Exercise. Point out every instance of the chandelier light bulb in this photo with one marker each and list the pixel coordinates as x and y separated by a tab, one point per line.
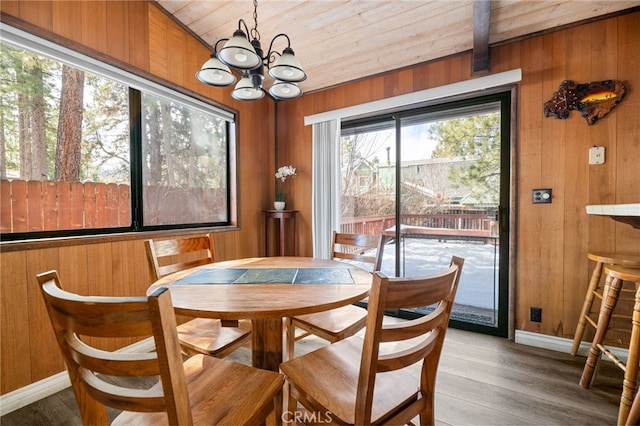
287	72
285	89
240	56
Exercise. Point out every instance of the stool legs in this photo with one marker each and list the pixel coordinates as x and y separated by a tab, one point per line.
612	288
629	384
586	307
634	414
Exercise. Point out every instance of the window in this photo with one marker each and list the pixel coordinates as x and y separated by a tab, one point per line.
87	148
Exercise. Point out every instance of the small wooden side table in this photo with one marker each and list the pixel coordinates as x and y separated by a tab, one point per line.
281	216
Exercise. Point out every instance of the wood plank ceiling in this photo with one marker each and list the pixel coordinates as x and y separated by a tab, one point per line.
338	41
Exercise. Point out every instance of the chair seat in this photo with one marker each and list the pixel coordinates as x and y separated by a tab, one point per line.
333	325
210	337
241	389
335	388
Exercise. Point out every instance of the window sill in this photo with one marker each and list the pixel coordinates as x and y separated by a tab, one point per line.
43	243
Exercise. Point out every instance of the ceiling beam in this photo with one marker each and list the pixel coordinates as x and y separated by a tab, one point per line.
481	19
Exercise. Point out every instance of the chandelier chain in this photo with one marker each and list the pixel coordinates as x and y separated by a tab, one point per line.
254	31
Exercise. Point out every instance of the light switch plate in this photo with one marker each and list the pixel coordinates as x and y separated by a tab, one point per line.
541	196
596	155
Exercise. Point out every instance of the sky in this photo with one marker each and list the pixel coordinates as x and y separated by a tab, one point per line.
416	144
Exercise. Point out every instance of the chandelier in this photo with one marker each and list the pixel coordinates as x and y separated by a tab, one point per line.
247	59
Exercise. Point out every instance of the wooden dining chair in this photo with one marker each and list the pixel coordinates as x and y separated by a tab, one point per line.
202	390
199	335
337	324
387	377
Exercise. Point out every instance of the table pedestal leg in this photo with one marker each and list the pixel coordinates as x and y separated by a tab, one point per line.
267	350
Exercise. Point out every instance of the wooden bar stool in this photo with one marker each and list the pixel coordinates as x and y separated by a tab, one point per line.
595	290
615	275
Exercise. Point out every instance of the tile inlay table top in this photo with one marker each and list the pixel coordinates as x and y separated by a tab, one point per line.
265	290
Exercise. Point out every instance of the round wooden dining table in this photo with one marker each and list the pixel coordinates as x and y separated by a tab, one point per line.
265	290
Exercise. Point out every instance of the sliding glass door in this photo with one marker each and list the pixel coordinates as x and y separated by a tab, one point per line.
433	181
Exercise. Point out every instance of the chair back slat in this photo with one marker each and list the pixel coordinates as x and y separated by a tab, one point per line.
418	292
126	399
111	363
413	328
172	255
407	357
98	316
358	248
75	317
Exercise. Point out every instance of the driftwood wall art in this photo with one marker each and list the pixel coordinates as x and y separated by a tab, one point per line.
594	100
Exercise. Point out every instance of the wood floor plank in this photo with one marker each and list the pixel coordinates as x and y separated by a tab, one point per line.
482	380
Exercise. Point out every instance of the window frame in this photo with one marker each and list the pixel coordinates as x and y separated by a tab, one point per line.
506	97
137	84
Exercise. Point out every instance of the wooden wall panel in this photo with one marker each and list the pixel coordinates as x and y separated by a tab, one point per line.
40	12
529	152
158	53
627	149
43	353
94	25
15	366
61	11
117	17
100	260
138	34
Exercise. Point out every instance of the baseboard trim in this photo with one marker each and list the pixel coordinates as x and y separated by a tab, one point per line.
561	344
29	394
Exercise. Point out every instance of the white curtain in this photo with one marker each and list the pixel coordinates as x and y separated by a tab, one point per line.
325	186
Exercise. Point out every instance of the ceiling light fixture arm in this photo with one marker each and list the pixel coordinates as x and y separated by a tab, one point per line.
215	46
246	31
271	54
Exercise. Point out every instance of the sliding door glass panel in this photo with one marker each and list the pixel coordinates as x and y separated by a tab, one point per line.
449	197
367	159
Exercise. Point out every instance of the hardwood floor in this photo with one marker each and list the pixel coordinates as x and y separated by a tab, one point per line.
482	380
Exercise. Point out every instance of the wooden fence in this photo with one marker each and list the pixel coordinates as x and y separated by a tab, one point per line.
35	206
32	206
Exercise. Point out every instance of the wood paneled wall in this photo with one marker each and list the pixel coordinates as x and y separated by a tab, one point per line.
138	36
552	240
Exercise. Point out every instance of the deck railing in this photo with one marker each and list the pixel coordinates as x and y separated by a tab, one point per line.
476	224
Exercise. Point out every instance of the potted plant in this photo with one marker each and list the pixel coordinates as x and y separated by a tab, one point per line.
283	173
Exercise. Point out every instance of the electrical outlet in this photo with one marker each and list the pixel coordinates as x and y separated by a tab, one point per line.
541	196
536	314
